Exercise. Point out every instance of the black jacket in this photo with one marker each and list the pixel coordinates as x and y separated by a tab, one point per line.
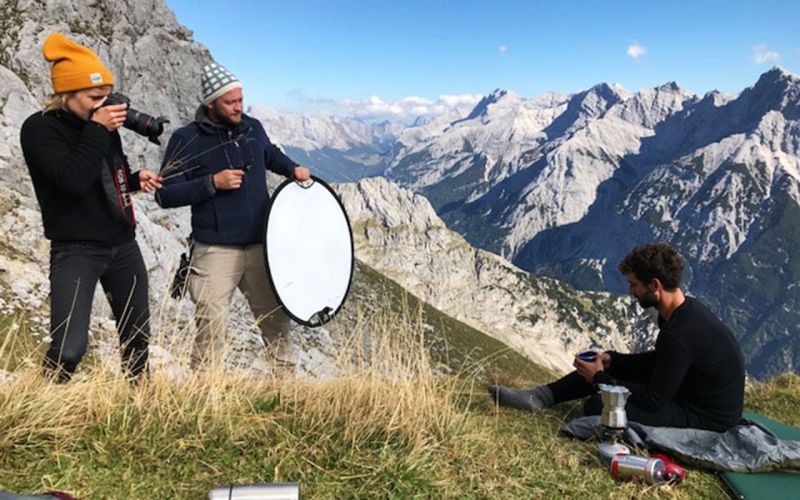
69	159
201	149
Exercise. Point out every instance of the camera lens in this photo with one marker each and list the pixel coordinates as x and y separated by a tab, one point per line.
136	120
143	124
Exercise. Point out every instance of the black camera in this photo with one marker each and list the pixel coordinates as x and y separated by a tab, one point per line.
178	287
138	121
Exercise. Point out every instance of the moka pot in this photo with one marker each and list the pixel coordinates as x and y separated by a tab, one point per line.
614	399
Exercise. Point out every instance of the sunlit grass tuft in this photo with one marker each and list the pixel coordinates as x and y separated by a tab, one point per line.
390	425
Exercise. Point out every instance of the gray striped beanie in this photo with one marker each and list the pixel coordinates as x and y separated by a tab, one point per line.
216	81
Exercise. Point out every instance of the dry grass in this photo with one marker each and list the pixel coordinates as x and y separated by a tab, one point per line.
386	396
385	427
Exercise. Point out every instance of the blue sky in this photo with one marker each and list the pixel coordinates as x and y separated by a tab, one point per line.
394	57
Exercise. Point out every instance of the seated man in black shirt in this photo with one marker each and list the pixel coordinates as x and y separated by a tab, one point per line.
693	379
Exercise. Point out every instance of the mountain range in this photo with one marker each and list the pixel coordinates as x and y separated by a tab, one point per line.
339	149
561	185
564	185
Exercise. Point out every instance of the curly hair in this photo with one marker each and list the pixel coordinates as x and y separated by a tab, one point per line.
657	261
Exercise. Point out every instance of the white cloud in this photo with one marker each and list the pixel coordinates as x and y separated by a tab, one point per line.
299	94
502	49
373	108
636	50
405	109
416	100
762	54
455	101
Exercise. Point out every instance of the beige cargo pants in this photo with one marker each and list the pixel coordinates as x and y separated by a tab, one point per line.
215	272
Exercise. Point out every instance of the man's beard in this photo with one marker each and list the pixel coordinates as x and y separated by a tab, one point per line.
224	119
228	119
648	299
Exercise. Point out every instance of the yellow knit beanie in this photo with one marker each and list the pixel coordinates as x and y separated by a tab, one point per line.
75	67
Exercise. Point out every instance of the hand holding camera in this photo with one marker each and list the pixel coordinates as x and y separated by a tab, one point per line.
111	117
117	107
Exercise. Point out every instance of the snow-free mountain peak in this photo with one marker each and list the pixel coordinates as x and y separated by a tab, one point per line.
503	99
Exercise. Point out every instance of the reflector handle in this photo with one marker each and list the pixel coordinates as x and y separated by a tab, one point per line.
321	317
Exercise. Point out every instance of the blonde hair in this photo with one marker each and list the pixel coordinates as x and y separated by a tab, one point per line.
56	101
59	101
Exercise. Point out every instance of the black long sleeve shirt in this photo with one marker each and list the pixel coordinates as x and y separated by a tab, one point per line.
65	156
696	362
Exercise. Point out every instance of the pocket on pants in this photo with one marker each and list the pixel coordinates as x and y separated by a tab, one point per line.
200	253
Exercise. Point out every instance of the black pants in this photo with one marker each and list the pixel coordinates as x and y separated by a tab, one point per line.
574	386
75	269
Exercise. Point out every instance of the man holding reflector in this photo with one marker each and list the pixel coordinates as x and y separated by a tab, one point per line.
217	164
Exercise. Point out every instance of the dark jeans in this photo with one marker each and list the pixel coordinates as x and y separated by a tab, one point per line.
75	269
573	386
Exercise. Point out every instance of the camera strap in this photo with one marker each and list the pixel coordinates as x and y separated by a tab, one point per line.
118	192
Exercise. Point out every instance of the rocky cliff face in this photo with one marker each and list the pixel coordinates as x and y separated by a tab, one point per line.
156	63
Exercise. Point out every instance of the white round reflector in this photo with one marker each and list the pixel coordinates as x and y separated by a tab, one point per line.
308	251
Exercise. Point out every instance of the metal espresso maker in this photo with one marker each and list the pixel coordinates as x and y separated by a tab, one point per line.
614	422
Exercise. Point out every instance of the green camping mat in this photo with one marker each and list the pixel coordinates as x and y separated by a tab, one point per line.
766	485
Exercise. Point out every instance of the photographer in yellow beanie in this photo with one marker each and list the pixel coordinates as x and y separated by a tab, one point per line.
83	183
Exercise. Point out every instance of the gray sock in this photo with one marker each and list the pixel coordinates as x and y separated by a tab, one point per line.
532	400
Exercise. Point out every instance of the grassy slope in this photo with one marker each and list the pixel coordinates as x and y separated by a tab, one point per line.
458	346
383	429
